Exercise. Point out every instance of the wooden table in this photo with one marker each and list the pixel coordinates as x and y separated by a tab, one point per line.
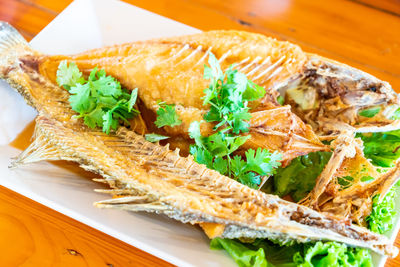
361	33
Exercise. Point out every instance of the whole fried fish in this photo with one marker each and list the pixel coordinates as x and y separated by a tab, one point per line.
149	177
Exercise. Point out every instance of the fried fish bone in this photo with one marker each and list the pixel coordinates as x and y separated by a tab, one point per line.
149	177
344	188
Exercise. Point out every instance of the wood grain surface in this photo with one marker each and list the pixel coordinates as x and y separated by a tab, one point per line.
362	33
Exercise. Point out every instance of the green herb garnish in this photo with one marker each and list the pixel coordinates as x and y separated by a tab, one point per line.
100	100
166	116
369	112
155	137
228	96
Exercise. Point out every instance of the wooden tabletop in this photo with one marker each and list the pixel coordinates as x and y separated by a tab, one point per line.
362	33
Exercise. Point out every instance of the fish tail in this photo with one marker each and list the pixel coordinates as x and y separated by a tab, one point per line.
11	44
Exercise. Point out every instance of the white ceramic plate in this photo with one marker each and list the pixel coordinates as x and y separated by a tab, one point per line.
83	25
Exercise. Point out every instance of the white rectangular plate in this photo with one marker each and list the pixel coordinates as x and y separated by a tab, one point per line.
83	25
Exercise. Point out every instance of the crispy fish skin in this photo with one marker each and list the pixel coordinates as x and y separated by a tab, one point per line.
149	177
171	70
339	90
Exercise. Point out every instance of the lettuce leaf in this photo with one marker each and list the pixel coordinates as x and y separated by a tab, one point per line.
243	255
298	178
383	212
263	252
382	148
332	254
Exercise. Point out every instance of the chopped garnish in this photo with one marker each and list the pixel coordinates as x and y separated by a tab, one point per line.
100	100
166	116
369	112
155	137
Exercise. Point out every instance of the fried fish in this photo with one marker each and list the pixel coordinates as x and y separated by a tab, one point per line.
149	177
171	70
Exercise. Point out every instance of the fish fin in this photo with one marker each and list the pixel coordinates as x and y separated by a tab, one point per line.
40	149
10	37
11	44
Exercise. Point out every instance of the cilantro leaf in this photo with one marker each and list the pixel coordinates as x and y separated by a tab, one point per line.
194	133
95	118
155	137
132	99
253	91
228	95
262	161
105	85
100	100
80	98
166	116
202	156
220	165
68	75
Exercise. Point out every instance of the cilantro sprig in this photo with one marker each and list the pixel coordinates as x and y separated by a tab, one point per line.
228	96
166	116
100	100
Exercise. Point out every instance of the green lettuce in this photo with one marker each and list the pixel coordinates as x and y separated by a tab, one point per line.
382	148
382	215
263	252
298	178
243	255
332	254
